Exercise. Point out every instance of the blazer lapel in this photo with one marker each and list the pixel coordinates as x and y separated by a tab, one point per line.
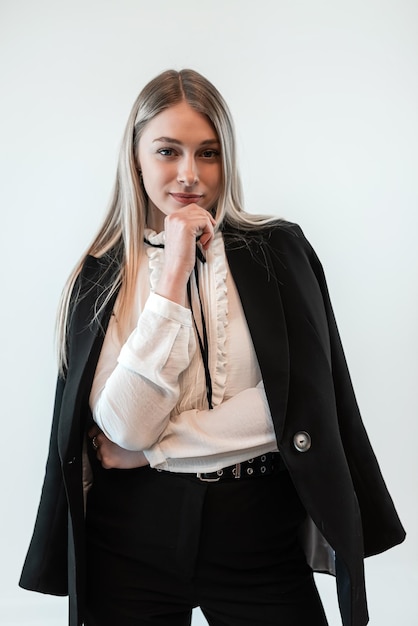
252	269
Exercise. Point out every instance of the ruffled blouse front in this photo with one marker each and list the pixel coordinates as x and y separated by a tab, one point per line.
213	295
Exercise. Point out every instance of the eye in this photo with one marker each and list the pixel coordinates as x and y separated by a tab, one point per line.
210	154
166	152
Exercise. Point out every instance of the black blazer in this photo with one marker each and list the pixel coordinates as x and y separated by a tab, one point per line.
318	426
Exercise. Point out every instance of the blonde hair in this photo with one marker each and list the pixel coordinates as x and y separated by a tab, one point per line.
122	230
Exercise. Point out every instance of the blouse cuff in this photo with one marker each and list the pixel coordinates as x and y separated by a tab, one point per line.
170	310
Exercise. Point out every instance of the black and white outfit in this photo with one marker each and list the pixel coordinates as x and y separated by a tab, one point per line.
216	520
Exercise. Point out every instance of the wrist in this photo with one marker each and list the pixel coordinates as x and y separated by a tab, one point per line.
173	286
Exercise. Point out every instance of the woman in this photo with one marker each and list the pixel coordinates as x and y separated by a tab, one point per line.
205	426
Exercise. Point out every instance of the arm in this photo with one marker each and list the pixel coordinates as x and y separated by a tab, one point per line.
133	393
241	423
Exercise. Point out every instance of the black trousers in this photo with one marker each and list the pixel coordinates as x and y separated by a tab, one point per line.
160	544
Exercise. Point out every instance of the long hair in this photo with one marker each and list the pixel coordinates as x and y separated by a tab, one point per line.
122	230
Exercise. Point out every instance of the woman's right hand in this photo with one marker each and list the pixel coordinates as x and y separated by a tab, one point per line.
182	230
112	456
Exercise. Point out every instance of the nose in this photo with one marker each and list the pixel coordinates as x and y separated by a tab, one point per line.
188	174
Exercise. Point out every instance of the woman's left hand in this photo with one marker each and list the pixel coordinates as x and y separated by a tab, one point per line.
112	456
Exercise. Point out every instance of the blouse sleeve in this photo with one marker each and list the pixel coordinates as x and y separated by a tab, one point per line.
136	386
241	425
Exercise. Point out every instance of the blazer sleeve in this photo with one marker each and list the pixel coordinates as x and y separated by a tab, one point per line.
376	505
47	564
45	567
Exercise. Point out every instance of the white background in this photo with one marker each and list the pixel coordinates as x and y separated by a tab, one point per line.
325	99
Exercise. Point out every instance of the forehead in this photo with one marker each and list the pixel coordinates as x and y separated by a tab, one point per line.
180	122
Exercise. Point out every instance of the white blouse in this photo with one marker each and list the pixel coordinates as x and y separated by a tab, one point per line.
149	393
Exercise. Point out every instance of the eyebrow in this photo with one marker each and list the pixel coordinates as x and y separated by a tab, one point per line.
206	142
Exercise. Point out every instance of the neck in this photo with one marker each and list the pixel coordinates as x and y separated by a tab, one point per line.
155	218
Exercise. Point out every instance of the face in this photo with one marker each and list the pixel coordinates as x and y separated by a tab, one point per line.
179	157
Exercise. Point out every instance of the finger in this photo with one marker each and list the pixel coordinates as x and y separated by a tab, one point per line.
203	216
205	240
208	217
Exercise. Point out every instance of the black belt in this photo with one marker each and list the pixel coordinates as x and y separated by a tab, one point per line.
263	465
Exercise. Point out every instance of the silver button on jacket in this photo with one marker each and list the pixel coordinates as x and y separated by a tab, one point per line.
302	441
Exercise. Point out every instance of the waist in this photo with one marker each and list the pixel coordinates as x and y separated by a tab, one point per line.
263	465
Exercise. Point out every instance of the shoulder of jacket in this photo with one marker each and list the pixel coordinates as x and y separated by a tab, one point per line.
99	271
280	236
101	263
96	277
284	236
279	226
284	229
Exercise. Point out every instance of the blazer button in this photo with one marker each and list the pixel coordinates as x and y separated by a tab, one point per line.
302	441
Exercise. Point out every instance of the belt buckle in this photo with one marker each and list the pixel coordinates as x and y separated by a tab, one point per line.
207	480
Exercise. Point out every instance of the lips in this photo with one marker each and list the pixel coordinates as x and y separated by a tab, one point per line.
186	198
